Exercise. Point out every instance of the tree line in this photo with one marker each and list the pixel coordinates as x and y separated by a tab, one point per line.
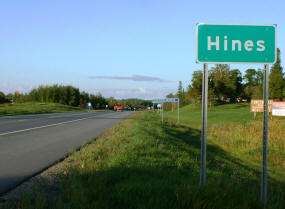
225	85
69	95
229	85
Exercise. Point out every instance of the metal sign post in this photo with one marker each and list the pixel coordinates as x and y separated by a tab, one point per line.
161	101
204	125
265	137
236	43
162	112
178	112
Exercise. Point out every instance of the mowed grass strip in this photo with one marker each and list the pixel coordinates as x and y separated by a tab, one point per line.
35	108
190	115
142	163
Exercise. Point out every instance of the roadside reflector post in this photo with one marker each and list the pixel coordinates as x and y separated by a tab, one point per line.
265	136
204	125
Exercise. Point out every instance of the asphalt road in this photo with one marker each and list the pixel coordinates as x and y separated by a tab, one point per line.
31	143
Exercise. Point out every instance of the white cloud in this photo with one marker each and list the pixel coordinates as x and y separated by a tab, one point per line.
132	78
124	93
7	87
142	90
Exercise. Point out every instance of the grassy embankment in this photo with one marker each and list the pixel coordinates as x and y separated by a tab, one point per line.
144	164
35	108
235	130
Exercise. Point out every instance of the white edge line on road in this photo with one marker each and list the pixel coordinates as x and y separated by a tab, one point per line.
44	114
70	115
39	127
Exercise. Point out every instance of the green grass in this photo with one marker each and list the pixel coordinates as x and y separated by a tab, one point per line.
190	115
234	129
142	163
35	108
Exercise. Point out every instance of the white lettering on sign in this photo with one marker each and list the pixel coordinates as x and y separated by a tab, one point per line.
225	43
256	105
237	45
234	42
217	43
260	44
248	45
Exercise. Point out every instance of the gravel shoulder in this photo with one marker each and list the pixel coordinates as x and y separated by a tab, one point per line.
46	183
49	183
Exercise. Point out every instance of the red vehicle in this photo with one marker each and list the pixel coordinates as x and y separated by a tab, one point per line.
118	107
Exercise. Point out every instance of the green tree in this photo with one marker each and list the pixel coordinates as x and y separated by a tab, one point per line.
10	97
181	94
170	95
250	77
111	102
17	97
226	82
252	88
276	80
67	95
2	98
236	80
84	99
195	88
74	96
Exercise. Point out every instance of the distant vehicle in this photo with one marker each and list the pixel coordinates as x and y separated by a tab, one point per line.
118	107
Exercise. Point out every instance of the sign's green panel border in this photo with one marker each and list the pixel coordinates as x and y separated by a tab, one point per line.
241	32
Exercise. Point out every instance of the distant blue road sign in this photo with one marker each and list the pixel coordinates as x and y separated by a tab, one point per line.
171	100
166	100
157	101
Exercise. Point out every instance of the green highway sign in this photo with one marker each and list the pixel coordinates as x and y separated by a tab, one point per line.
222	43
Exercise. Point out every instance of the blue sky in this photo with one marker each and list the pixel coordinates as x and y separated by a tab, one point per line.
119	48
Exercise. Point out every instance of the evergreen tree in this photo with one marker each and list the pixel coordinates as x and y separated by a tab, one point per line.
181	93
276	80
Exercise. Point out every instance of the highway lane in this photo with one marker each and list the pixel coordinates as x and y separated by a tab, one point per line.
31	143
22	122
